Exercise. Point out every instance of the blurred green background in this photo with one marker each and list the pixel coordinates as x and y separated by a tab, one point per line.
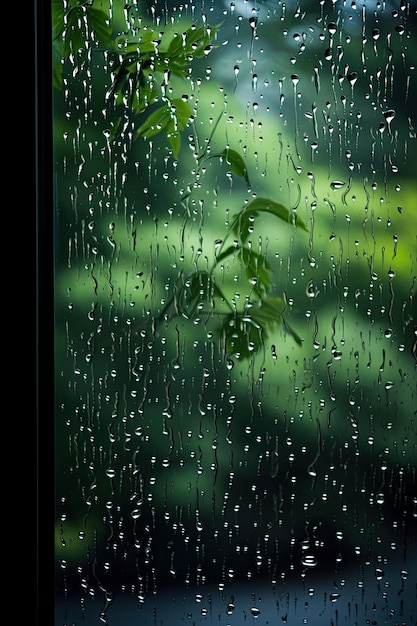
172	461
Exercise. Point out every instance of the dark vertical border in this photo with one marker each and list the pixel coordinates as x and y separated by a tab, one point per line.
44	302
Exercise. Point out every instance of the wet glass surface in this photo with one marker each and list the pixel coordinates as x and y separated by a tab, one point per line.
235	332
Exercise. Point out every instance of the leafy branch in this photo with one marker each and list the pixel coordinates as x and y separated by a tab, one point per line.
246	330
142	68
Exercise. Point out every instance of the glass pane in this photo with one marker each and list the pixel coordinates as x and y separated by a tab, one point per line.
235	333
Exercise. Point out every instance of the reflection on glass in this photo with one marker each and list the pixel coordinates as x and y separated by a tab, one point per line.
235	335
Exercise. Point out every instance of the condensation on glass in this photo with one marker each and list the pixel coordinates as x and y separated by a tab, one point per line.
235	236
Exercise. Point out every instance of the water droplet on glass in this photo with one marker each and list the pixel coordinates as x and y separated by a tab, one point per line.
352	78
379	573
309	560
380	498
231	606
389	116
332	28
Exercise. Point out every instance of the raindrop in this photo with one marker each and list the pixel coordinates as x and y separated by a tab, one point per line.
311	290
309	560
337	184
352	78
379	573
230	606
389	116
332	28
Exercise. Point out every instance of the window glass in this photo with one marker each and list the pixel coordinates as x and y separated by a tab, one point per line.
235	332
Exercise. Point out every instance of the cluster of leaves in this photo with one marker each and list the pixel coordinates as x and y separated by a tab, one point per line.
244	331
73	25
142	68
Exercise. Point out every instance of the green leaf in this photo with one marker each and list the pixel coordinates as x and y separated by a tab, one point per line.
98	21
197	289
242	224
157	121
243	337
177	68
269	313
291	331
58	15
198	40
148	43
74	35
174	138
171	117
258	269
119	84
182	112
223	255
236	162
276	209
69	28
176	47
194	38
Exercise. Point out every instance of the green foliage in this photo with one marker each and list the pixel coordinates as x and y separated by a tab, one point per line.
197	292
243	336
141	69
236	162
243	222
172	117
72	28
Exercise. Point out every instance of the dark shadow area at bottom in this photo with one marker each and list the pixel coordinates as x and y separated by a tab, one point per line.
369	595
